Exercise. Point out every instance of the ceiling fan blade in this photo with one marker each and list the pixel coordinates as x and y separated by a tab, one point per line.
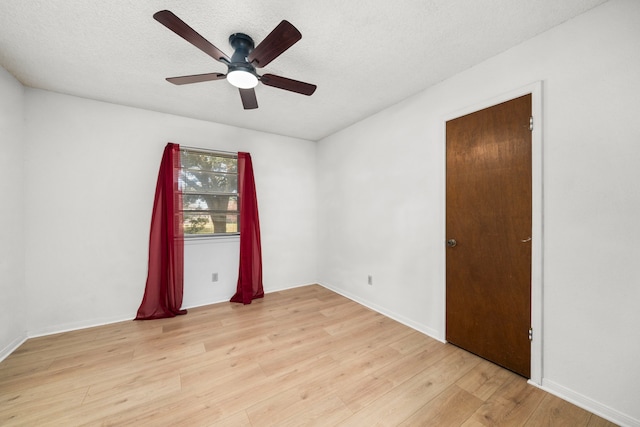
175	24
197	78
249	100
280	39
288	84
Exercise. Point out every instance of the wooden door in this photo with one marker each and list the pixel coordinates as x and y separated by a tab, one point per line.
488	214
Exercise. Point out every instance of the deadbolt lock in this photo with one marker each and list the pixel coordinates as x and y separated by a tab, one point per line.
451	243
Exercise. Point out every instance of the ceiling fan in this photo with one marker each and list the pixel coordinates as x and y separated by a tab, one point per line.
241	67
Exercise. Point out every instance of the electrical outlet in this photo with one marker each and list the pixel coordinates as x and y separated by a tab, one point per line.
214	277
370	280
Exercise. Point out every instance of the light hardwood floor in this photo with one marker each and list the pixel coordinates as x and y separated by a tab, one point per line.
304	356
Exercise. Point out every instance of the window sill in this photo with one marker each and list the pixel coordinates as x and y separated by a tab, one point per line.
221	238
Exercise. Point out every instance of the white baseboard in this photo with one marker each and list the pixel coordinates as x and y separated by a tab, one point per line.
75	326
587	403
12	346
266	292
390	314
289	287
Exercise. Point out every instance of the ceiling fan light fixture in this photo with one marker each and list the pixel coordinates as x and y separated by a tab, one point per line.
242	79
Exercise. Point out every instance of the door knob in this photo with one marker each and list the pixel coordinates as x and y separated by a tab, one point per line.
451	243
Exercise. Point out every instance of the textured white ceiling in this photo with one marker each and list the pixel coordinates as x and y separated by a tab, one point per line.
364	55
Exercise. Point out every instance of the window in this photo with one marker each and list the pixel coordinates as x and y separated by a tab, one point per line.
209	185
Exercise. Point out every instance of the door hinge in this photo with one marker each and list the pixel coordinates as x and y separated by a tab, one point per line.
530	334
531	123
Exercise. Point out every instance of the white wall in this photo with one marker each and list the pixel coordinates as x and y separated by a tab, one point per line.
381	209
91	171
13	303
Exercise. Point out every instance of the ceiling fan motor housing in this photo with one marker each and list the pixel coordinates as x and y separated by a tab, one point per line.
242	45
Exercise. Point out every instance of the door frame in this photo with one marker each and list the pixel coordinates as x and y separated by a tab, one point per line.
535	89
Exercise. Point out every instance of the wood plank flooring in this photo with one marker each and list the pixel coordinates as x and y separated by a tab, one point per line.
304	356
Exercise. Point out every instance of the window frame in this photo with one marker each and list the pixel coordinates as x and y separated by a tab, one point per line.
184	192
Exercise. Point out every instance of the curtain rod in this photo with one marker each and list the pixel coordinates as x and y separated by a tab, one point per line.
208	150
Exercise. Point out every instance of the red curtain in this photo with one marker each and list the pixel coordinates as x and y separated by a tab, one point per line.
250	274
163	292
